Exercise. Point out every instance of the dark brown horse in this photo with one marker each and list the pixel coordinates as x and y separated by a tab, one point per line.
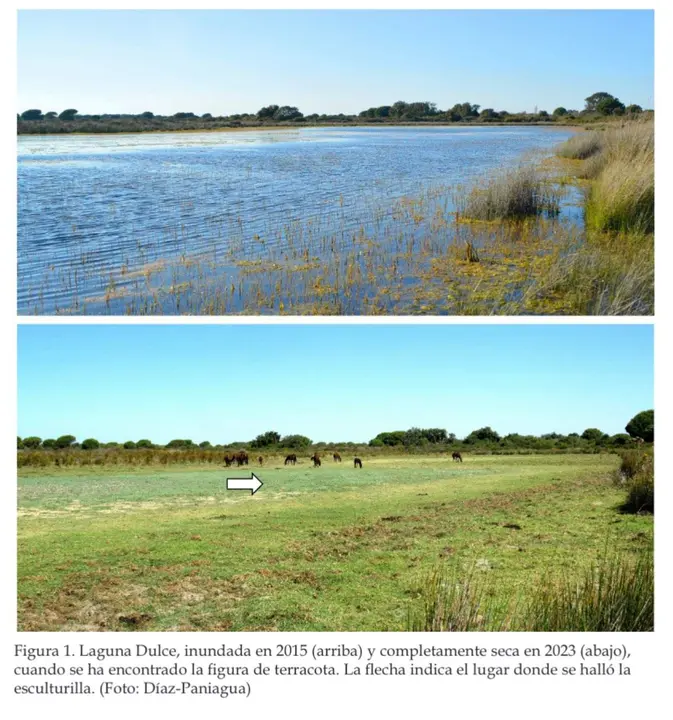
228	459
457	457
337	457
316	460
260	460
357	463
291	459
241	458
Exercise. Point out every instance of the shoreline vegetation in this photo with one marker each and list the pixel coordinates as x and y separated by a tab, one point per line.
600	106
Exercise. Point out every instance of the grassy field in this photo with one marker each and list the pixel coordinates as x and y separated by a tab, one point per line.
331	548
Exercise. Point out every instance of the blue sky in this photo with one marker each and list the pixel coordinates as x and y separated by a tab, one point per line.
330	382
226	62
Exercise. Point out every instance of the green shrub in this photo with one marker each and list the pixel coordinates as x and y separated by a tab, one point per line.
512	194
636	475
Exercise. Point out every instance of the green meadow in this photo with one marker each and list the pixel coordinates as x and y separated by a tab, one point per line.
329	548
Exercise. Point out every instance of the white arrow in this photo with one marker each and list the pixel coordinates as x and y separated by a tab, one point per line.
253	483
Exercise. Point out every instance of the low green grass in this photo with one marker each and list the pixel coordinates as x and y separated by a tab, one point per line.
330	548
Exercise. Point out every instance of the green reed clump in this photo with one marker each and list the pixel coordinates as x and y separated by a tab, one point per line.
581	146
622	167
636	475
616	594
513	194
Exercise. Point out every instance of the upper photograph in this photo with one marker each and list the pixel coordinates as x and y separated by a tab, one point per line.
335	162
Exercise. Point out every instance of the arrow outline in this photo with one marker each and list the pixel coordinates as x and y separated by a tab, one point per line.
252	477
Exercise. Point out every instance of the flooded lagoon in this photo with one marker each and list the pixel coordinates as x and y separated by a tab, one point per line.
313	220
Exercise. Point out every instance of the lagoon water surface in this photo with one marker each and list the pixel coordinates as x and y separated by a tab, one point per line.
240	221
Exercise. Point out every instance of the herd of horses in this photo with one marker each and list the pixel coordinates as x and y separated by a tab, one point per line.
242	458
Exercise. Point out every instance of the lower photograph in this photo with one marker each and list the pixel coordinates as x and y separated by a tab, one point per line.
335	477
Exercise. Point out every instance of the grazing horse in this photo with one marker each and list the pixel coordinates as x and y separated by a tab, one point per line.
337	457
357	463
457	457
291	459
260	460
241	458
228	459
316	460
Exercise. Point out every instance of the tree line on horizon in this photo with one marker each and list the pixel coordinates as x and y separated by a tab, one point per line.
640	426
598	105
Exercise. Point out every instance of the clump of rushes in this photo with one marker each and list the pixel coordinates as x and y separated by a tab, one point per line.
581	146
511	195
616	594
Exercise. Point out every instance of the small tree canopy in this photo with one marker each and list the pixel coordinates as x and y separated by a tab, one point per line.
641	425
32	442
129	445
592	434
68	115
295	441
90	444
65	441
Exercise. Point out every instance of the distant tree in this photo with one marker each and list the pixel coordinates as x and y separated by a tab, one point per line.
296	442
90	444
633	109
265	440
640	425
610	106
205	444
180	444
592	434
144	444
111	445
543	114
485	434
31	115
286	113
620	440
68	115
65	441
391	439
19	443
51	114
184	115
488	114
435	435
32	442
413	437
130	445
206	116
49	444
266	113
560	112
147	115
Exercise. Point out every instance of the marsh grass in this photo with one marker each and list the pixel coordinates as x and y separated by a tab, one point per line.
513	194
614	594
620	161
581	146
